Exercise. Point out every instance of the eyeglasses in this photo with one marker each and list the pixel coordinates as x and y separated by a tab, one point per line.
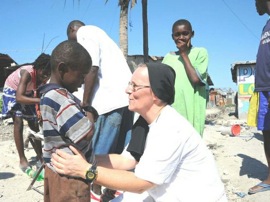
136	87
184	33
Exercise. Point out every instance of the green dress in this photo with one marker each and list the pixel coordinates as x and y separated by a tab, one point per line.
190	101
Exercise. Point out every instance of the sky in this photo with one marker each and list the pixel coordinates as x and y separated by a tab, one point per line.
229	29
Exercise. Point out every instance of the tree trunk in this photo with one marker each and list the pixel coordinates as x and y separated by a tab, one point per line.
123	30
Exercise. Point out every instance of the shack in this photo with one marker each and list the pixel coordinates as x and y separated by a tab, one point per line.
6	62
243	76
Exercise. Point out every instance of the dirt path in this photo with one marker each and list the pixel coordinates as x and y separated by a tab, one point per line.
240	159
13	182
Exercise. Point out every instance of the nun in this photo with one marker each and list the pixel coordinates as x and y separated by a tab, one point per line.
166	158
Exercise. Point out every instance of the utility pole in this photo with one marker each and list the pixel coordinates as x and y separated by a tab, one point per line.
145	31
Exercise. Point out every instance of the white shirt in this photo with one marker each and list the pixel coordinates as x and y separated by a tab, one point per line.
177	160
113	74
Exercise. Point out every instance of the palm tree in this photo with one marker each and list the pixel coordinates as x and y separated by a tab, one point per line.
123	23
123	26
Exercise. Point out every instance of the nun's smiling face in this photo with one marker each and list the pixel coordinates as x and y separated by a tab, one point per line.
139	91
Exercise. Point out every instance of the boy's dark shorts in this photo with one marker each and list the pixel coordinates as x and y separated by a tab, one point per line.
61	188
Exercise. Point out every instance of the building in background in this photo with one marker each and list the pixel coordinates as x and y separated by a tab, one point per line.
6	67
243	76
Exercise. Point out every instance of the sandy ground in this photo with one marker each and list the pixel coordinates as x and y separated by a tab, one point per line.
240	161
14	182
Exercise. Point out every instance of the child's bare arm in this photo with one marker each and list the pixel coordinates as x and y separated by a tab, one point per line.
21	90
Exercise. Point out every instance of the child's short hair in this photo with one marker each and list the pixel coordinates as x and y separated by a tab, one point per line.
182	22
70	53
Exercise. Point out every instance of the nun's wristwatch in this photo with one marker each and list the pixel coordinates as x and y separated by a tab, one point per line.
91	174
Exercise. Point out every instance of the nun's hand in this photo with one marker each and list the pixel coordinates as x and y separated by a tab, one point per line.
72	165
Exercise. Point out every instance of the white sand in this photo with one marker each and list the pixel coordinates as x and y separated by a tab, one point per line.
240	161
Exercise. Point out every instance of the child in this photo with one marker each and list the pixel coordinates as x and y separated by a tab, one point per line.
64	122
19	101
190	64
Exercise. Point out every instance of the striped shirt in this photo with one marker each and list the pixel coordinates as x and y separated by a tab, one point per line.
63	123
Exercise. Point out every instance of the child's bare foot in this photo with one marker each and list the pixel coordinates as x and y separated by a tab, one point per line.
24	165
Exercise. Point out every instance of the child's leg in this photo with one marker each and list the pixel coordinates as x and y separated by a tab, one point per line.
33	125
18	137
